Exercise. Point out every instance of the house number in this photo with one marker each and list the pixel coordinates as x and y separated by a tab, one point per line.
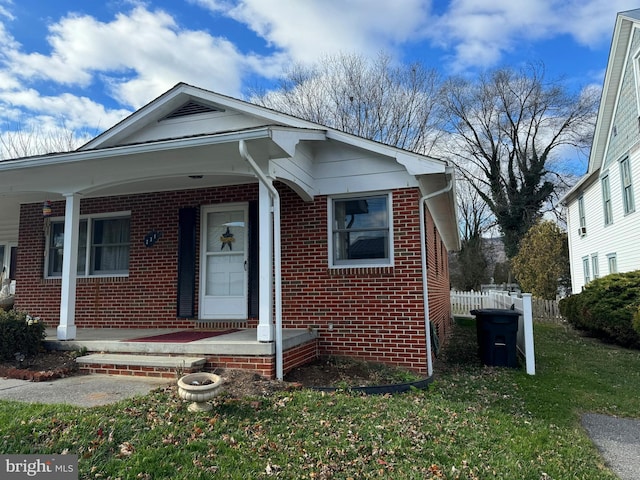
151	238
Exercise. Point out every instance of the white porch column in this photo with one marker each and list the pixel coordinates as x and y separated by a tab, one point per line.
265	234
67	328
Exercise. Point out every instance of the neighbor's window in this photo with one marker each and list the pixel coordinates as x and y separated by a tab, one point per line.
361	230
595	269
606	201
627	186
581	215
585	269
612	260
103	246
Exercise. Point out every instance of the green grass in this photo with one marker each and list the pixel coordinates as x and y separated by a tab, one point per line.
473	423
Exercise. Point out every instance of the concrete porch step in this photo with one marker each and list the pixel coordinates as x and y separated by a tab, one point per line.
139	365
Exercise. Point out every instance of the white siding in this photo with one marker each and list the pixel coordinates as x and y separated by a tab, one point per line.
340	168
204	123
619	238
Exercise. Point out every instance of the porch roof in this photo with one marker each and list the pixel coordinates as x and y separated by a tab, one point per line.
168	164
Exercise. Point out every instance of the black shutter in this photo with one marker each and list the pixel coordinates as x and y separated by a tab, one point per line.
186	261
253	265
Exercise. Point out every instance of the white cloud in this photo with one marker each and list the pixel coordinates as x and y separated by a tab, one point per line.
139	55
307	30
135	57
75	112
480	32
592	21
5	9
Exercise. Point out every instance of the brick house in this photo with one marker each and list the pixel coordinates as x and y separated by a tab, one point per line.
203	210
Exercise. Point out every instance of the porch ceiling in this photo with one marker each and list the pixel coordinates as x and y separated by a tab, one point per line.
133	169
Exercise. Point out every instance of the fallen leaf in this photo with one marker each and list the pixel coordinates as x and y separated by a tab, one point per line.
126	449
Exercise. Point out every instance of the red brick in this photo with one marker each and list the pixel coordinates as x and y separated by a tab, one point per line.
374	311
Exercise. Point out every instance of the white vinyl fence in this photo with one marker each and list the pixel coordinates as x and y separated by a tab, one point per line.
463	302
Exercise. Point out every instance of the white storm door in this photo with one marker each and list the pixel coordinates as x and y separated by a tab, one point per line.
223	267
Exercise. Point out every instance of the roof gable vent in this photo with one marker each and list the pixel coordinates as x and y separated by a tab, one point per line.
191	108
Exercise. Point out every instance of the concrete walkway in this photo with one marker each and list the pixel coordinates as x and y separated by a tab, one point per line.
79	390
618	439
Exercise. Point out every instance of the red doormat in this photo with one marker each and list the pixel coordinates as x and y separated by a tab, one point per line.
183	336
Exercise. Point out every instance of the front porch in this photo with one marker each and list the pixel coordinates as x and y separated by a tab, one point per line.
125	351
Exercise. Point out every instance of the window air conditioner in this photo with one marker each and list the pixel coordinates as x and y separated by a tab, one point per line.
582	231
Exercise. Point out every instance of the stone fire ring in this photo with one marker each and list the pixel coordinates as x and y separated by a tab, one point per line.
199	388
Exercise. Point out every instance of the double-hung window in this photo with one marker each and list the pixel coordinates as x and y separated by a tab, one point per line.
103	246
627	186
612	260
581	214
585	270
360	231
595	268
606	201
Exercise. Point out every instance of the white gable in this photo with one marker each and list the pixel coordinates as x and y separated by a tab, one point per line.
167	118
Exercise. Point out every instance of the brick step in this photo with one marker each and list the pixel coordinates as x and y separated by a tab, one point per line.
139	365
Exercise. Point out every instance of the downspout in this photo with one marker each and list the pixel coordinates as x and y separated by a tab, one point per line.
277	254
425	282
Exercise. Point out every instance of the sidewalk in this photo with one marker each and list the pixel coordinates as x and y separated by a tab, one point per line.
618	440
79	390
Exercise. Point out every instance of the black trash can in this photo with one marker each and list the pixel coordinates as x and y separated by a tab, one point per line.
497	331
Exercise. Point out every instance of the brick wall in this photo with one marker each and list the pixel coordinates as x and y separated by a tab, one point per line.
371	313
266	365
144	299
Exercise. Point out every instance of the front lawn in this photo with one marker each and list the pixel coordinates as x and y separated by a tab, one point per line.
473	422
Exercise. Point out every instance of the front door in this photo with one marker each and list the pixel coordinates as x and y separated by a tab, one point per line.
223	277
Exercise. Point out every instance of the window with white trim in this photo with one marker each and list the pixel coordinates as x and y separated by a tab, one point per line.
360	231
612	260
606	201
595	269
581	214
627	186
585	269
103	246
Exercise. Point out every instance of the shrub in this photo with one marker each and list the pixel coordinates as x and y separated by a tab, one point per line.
606	308
19	334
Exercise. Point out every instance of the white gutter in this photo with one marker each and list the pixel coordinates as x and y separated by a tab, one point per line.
425	282
149	147
277	254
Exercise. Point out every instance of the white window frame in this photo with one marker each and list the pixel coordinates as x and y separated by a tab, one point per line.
89	247
6	259
6	263
581	212
585	269
360	263
595	268
606	200
612	262
626	184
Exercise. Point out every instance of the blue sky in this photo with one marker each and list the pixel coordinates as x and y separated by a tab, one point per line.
88	63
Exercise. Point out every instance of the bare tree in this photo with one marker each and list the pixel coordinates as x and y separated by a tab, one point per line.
19	140
395	105
469	266
507	128
475	216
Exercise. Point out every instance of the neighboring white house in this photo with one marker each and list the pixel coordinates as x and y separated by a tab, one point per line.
603	224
